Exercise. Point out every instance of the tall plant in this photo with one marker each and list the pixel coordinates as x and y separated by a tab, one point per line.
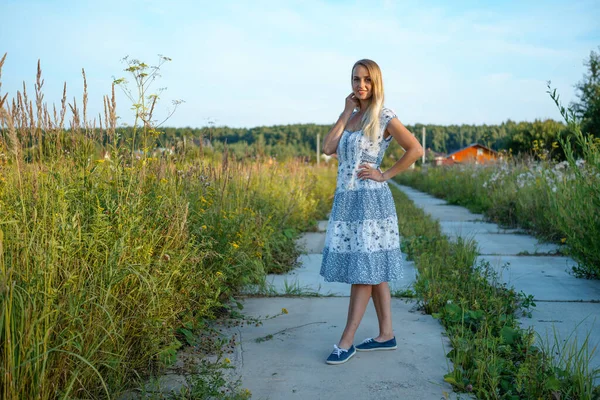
586	186
144	100
588	92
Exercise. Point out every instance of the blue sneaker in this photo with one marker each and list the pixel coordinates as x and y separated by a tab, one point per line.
371	345
340	356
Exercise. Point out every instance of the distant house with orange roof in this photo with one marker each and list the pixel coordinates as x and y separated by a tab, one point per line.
474	153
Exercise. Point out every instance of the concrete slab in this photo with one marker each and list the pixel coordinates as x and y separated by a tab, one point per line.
546	278
438	208
311	242
450	213
322	225
418	195
571	322
470	228
306	279
510	244
290	364
425	199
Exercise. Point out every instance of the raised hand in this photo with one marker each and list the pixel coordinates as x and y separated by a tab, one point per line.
351	103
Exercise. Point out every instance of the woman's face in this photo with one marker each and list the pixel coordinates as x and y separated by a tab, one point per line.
361	83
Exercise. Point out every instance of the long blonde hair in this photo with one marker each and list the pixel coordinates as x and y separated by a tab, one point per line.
370	119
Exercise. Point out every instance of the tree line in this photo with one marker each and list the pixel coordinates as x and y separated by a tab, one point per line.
538	138
300	140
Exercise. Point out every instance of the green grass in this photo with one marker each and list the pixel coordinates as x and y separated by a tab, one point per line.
290	289
108	261
492	357
404	293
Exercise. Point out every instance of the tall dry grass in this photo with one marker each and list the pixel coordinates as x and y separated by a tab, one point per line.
102	260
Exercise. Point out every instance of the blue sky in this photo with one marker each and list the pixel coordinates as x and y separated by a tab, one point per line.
250	63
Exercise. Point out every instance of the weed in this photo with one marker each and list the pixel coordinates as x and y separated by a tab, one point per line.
570	363
405	293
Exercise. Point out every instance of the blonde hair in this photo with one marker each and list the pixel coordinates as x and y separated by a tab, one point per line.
370	119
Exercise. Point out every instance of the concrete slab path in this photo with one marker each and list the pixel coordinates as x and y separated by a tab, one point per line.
565	304
284	358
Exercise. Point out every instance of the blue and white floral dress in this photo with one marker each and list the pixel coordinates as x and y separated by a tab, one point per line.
362	243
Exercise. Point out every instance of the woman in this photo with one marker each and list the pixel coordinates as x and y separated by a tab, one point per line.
362	246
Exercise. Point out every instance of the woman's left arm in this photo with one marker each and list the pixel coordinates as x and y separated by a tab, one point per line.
413	151
409	143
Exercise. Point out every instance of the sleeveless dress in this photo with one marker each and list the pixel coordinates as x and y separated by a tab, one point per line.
362	243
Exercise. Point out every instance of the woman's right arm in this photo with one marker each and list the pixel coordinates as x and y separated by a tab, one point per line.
332	139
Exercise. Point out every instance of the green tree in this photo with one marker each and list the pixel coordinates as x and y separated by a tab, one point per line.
588	92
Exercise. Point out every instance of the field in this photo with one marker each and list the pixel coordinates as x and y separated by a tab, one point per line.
111	257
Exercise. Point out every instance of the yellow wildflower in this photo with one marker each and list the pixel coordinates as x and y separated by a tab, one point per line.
163	180
235	245
563	240
227	360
